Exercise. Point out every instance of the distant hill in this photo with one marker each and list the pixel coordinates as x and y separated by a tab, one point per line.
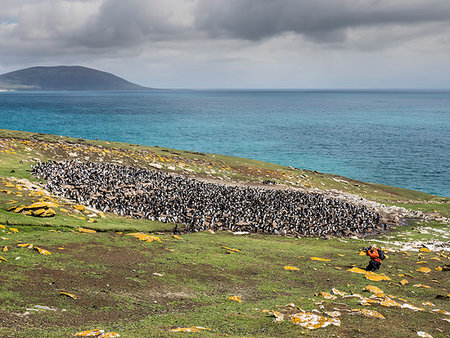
64	78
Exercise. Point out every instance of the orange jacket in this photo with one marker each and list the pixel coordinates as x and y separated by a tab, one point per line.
373	254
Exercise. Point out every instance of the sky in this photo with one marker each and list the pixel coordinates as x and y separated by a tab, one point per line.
236	43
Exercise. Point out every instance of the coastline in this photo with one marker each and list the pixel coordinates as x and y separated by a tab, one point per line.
100	267
370	137
225	170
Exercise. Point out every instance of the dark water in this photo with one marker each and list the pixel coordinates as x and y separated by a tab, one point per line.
395	138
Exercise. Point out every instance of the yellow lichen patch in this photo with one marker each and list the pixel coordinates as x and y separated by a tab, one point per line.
5	248
151	238
367	301
143	237
134	234
362	253
424	269
3	259
428	303
337	292
189	329
110	335
41	205
404	281
25	245
355	295
373	289
235	298
37	212
44	213
279	317
90	333
320	259
18	209
422	262
368	313
312	321
438	268
326	295
79	217
442	312
231	249
68	295
363	302
79	207
424	250
422	286
42	251
376	278
176	237
333	314
360	271
88	231
13	230
435	258
64	210
292	268
390	303
2	226
412	307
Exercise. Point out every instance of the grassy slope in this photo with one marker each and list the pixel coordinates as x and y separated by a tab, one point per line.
113	274
213	165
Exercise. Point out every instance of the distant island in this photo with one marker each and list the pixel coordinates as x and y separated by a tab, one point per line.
64	78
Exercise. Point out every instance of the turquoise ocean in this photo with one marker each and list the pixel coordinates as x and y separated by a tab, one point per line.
399	138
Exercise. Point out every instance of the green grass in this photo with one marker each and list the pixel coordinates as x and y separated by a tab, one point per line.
198	277
116	277
46	146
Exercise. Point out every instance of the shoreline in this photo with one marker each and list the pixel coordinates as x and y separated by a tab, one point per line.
225	170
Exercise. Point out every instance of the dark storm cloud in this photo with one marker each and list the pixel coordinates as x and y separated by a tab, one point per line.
61	27
129	23
224	42
320	20
71	26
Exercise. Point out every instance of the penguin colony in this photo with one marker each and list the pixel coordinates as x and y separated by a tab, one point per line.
198	205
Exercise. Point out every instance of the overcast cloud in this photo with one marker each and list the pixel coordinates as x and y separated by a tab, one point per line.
236	43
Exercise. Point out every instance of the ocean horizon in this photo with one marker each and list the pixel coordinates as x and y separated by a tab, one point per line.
394	137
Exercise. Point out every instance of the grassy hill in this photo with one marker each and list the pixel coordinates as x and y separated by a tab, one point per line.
150	283
64	78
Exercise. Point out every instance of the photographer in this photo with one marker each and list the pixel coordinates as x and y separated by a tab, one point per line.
375	260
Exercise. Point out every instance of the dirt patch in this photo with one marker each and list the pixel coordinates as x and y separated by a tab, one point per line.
123	288
92	252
